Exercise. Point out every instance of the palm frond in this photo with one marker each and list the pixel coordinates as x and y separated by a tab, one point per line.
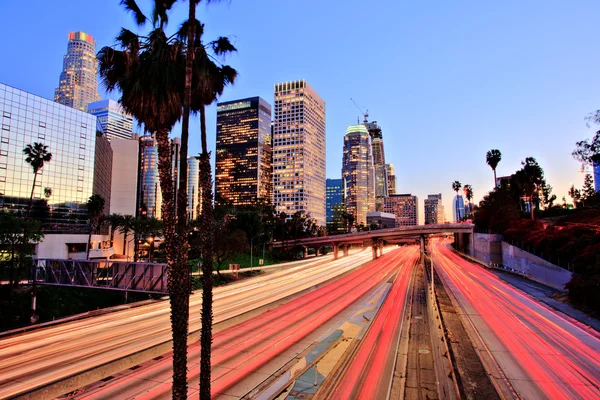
222	46
131	6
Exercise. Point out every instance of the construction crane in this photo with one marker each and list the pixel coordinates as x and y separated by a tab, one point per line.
364	114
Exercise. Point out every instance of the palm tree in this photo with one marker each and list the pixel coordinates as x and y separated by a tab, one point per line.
492	158
456	185
468	191
126	226
147	70
37	156
115	221
95	206
208	82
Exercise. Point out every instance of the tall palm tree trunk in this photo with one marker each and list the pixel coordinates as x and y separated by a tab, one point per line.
495	180
207	263
179	303
125	234
179	282
32	191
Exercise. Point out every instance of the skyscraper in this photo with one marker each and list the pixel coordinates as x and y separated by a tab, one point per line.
243	170
458	208
358	173
149	191
434	209
193	189
78	84
80	167
405	207
299	150
381	184
334	196
115	122
596	169
391	178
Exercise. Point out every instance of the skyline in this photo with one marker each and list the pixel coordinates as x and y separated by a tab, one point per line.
464	80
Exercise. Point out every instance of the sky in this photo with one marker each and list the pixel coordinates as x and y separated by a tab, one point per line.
446	81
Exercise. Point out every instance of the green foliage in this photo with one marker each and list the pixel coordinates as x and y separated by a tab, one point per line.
493	158
18	237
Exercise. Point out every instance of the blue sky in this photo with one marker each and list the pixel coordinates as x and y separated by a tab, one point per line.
447	81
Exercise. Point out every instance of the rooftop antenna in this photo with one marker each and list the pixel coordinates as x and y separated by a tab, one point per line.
364	114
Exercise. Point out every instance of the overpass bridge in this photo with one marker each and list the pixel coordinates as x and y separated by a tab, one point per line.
463	236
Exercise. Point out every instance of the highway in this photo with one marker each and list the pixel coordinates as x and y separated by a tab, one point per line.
369	374
243	349
44	356
535	352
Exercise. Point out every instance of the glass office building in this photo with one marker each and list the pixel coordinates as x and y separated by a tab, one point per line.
78	84
334	196
458	208
244	156
299	150
358	173
149	192
115	122
65	183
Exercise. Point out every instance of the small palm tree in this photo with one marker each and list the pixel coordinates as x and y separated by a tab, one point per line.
493	158
37	156
456	185
95	206
126	226
114	220
468	191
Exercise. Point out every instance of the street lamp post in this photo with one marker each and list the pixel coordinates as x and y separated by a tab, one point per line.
251	247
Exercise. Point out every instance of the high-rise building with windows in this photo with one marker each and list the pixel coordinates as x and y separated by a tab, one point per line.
358	173
334	196
381	184
78	84
149	191
391	178
434	209
115	122
405	207
299	150
194	192
244	154
596	170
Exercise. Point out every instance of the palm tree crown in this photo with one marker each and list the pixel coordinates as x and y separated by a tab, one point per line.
493	158
37	156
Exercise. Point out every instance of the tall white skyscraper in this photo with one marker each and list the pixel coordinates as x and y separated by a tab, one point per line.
78	84
299	150
115	122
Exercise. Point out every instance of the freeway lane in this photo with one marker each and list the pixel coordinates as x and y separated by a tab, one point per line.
244	348
368	375
41	357
541	352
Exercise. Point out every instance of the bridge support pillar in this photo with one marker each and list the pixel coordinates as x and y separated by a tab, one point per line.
422	246
381	248
335	251
345	249
305	252
374	248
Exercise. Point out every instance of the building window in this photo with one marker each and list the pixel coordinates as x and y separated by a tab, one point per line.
6	114
42	124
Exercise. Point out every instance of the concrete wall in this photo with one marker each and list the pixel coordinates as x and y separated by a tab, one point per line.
491	249
534	267
55	245
487	248
124	176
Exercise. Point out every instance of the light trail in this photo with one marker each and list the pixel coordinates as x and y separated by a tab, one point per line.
367	377
37	358
245	348
542	353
